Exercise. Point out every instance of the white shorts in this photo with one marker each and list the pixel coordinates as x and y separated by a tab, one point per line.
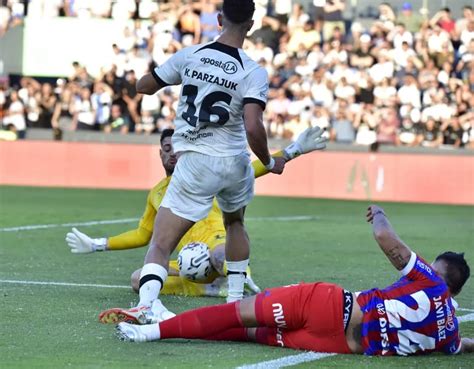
198	178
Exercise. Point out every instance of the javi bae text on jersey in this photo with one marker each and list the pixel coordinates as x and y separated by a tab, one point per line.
217	81
415	315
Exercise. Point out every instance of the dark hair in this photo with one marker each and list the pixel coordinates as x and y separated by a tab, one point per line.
457	271
166	133
238	11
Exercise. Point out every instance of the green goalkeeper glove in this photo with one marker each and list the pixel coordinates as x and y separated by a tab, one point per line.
309	140
80	243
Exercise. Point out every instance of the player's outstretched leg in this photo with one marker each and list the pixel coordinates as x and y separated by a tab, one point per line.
219	322
228	321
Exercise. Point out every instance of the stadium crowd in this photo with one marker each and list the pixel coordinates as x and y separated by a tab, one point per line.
400	79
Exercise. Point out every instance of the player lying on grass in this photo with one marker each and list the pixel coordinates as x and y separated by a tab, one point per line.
415	315
209	231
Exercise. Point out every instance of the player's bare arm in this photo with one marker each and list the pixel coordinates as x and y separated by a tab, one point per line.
396	250
467	345
257	138
149	84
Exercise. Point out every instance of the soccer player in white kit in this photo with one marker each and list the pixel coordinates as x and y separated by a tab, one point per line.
220	109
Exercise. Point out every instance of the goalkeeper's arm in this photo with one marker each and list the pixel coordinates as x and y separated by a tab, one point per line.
309	140
80	243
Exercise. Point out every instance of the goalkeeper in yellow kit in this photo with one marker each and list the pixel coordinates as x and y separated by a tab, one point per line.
209	231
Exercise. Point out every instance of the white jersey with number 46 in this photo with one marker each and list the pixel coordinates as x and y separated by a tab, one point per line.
217	81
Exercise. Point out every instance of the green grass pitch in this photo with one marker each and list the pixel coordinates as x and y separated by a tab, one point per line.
56	326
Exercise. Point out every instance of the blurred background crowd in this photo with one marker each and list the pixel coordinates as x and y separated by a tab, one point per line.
400	77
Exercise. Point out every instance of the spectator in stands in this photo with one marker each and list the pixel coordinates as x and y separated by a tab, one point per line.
138	60
63	110
278	110
131	97
461	24
388	126
297	18
44	8
15	115
101	101
166	121
452	132
407	134
83	111
430	135
466	59
189	26
365	123
5	15
409	93
385	93
387	16
362	58
342	130
444	20
123	10
468	136
47	103
412	20
208	21
118	122
147	123
8	133
333	17
32	105
308	36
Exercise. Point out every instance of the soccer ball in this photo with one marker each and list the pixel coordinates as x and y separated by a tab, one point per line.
194	261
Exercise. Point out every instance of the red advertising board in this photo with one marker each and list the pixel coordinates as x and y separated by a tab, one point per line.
401	177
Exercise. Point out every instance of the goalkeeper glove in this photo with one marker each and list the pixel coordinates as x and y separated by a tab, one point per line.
81	243
310	139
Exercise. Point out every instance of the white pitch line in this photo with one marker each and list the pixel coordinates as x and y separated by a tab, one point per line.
290	218
132	220
66	284
287	361
466	318
464	309
45	226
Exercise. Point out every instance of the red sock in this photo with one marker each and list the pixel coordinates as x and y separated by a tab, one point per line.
233	334
202	322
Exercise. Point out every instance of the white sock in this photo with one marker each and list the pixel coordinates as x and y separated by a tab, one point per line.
236	272
151	331
152	279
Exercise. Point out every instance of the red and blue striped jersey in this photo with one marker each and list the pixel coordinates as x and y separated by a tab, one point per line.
413	316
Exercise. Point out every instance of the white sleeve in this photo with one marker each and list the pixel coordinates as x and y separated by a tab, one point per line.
257	87
170	72
410	265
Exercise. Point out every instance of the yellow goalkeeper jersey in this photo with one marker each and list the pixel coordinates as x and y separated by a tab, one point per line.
209	230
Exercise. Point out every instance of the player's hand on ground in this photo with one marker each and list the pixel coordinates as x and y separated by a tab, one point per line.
371	211
311	139
279	166
80	243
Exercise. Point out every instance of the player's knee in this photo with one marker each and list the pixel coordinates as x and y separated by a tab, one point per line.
135	280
